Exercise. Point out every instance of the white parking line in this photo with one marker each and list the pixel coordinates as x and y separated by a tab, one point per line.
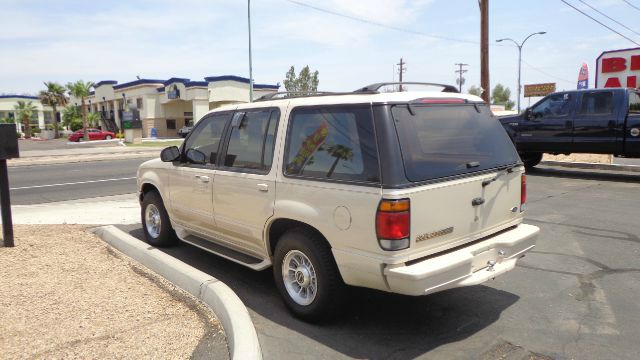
71	183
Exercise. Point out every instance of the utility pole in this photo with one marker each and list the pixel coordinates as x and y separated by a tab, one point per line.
250	65
484	49
401	70
460	71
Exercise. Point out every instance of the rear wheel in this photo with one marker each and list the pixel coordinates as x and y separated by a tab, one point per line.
307	277
155	221
108	137
531	159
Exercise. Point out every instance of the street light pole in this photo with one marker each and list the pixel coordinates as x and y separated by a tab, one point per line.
250	65
520	59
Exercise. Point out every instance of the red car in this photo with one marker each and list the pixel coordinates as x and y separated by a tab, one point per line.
94	134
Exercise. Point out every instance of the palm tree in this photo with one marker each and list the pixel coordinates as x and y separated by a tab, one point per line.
80	90
93	119
340	152
25	110
54	96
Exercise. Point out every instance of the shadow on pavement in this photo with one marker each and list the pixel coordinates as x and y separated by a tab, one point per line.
602	175
375	324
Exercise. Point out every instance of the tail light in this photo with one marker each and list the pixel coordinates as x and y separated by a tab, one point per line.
523	191
393	224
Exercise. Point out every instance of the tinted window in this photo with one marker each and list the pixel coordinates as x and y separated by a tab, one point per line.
553	105
206	136
634	102
250	136
446	140
332	143
597	103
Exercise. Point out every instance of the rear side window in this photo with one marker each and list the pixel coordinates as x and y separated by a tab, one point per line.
597	103
333	143
634	102
448	140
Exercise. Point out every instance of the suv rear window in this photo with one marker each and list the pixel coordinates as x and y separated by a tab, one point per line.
447	140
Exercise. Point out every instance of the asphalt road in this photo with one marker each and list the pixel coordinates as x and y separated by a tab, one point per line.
573	297
38	184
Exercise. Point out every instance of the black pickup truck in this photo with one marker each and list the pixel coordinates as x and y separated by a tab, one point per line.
595	121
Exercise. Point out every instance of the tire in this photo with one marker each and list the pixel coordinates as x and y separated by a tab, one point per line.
108	137
531	159
155	221
312	257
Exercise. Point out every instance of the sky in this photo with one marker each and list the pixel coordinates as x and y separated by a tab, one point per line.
352	43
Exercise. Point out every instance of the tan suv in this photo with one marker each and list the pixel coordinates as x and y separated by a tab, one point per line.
405	192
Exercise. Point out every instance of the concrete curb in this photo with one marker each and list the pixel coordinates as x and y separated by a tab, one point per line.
229	309
595	166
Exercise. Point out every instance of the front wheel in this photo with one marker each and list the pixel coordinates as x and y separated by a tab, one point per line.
530	159
307	277
155	221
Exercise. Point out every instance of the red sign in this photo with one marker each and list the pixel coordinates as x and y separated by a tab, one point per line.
618	68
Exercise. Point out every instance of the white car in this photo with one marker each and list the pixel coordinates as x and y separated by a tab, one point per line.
404	192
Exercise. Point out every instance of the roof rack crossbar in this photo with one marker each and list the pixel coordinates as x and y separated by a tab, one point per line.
286	94
375	87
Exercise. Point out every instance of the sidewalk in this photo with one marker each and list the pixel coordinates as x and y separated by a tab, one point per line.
67	294
59	156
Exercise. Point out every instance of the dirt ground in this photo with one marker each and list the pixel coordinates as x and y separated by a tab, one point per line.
588	158
66	294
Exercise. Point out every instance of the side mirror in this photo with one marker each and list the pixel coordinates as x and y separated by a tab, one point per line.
170	154
528	114
196	156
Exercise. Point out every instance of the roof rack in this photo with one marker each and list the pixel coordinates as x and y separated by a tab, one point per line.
373	88
290	94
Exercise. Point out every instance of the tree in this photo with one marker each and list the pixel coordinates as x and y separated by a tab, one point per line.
500	96
80	90
54	96
340	152
25	110
473	90
71	114
93	119
305	83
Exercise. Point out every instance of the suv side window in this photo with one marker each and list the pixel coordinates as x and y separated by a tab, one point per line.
251	140
555	105
597	103
206	136
332	143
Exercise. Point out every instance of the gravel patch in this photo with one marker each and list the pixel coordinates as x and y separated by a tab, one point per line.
66	294
588	158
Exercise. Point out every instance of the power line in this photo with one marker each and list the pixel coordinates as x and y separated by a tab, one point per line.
630	4
592	18
375	23
546	73
610	18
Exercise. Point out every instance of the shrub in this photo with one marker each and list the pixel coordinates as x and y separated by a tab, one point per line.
120	135
36	130
75	125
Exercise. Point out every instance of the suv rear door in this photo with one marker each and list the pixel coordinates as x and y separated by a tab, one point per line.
465	181
245	188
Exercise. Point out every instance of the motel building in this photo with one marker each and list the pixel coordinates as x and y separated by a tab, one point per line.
40	118
147	108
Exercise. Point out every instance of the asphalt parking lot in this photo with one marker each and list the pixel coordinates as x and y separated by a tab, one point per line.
573	297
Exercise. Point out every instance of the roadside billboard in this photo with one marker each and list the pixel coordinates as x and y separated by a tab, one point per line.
583	77
618	68
539	89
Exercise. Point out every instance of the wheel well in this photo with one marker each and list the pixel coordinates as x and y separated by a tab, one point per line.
281	226
147	188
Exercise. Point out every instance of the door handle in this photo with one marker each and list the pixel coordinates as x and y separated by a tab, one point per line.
203	178
263	187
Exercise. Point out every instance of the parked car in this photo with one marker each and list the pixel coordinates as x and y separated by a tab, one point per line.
596	121
94	134
405	192
185	130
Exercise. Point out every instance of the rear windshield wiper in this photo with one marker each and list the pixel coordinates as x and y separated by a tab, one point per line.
507	170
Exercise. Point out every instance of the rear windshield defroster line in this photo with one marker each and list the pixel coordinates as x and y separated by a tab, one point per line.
439	141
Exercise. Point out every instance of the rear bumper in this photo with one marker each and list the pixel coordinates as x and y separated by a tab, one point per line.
471	265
